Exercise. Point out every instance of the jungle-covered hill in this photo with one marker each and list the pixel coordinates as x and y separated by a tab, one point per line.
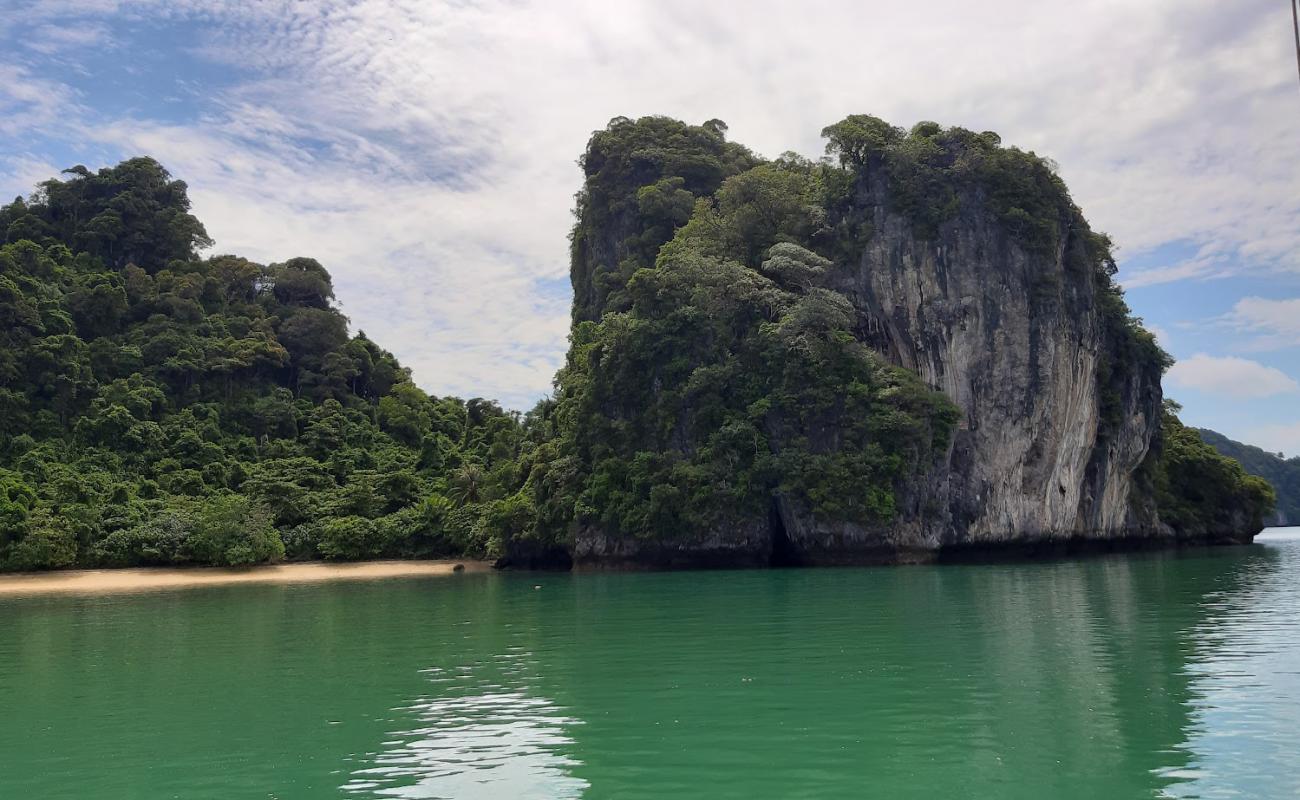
158	407
1283	473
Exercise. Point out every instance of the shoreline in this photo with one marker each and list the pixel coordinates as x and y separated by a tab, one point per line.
1007	551
122	580
142	579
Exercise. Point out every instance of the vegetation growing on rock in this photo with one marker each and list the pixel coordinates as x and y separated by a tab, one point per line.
642	179
676	412
723	372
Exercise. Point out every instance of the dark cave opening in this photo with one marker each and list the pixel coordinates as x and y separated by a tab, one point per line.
784	553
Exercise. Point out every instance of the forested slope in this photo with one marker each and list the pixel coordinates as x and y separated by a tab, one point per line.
161	408
1282	473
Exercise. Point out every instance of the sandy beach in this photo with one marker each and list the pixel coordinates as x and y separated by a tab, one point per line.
98	581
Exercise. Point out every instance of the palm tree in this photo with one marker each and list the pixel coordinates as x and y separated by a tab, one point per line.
467	484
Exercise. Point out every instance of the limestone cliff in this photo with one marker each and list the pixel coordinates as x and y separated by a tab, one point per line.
1017	340
957	260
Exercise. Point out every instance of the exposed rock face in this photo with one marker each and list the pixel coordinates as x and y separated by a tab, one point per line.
1017	342
744	542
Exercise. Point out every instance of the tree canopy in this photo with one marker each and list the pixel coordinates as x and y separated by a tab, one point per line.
158	407
1282	472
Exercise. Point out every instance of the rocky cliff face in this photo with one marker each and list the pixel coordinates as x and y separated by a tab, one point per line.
1017	340
1009	313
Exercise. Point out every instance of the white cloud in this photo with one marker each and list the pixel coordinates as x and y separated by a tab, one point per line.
29	102
1231	376
51	39
1276	323
1211	261
424	151
19	173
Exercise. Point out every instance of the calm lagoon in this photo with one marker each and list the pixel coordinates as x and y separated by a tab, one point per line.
1173	674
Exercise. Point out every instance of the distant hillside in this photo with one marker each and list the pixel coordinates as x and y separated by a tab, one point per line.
1284	474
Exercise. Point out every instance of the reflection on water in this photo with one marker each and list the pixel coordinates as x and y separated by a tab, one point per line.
1244	701
476	737
1154	675
1166	675
497	744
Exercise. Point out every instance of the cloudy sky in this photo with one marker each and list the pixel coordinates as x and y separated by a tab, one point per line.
425	151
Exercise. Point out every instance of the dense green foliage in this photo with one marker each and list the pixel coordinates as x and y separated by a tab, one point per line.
642	180
159	408
1282	473
719	372
930	168
1199	489
719	387
711	369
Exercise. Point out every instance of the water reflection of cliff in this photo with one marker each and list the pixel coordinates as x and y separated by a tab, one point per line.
1089	690
1063	679
1092	678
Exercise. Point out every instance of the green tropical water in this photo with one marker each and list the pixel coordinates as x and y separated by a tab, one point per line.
1148	675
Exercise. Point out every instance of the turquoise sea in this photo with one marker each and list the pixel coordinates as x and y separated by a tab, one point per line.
1172	674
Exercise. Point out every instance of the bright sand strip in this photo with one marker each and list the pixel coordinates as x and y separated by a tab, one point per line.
98	581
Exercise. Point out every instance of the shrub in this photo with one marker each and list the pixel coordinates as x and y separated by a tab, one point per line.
230	530
349	539
48	544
